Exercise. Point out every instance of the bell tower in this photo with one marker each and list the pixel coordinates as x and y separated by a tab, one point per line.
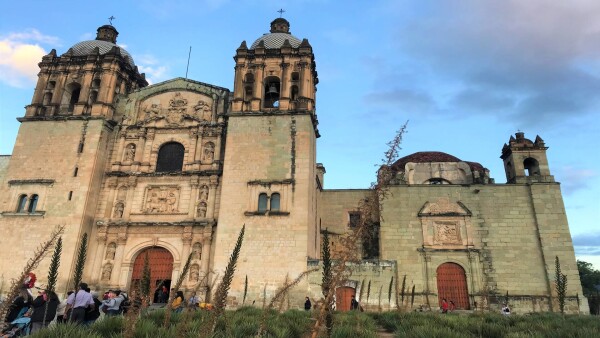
269	166
85	80
277	73
525	161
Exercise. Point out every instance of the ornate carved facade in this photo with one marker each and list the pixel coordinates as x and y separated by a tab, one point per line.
174	170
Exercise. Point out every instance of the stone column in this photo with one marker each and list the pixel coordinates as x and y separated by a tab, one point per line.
111	185
139	148
212	196
258	82
217	156
238	88
120	146
185	252
285	83
119	276
206	240
192	151
193	196
86	83
99	253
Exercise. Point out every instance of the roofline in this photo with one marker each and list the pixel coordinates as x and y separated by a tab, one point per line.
184	79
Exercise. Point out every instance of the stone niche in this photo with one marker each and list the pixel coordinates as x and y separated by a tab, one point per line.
446	225
174	109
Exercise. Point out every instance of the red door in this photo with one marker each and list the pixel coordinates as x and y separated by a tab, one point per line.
452	285
343	297
161	265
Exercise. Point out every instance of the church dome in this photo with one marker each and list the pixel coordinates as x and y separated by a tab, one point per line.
87	48
106	40
280	31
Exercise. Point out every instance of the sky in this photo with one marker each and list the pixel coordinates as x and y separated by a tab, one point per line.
466	75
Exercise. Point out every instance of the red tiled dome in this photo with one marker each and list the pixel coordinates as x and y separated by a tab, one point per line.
432	156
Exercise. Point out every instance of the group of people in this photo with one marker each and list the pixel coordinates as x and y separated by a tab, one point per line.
28	315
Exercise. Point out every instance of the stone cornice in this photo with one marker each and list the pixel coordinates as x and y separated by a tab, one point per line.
32	181
155	174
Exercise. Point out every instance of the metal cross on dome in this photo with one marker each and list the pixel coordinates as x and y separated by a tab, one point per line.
281	11
111	19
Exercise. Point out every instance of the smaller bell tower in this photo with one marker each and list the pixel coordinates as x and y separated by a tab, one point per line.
277	73
525	161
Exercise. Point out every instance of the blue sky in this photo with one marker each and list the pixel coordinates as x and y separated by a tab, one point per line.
466	74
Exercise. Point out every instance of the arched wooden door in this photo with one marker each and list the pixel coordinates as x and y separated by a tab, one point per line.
452	285
161	266
343	297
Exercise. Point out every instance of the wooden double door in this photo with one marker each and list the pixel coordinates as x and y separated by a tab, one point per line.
343	298
452	285
161	267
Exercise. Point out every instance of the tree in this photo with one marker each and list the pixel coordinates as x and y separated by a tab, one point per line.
54	264
561	286
589	277
80	265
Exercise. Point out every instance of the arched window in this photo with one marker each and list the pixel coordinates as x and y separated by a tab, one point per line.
294	96
170	157
532	167
71	96
32	203
21	203
248	92
295	76
437	180
262	202
275	202
93	96
272	90
249	78
47	99
96	83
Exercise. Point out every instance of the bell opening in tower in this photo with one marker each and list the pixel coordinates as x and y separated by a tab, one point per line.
272	90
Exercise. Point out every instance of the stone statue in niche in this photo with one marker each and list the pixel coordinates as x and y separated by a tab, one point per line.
107	271
202	207
118	213
197	251
194	273
162	199
204	193
203	110
209	152
129	153
110	251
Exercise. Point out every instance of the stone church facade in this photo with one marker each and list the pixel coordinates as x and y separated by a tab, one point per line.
175	169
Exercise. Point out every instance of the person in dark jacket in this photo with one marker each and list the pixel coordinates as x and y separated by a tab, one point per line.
44	310
22	301
91	314
307	304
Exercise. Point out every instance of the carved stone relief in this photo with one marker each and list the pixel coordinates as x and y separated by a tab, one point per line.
176	108
447	233
161	199
129	153
107	271
110	251
208	152
118	212
204	193
195	273
202	207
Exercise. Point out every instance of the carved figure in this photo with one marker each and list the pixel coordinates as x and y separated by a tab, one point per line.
195	272
447	233
129	152
203	110
110	251
107	271
209	152
171	202
153	110
202	207
204	193
162	199
118	213
197	251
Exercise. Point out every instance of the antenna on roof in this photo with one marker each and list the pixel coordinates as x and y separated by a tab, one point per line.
188	63
111	19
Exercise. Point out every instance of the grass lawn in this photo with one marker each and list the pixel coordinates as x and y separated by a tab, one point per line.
245	322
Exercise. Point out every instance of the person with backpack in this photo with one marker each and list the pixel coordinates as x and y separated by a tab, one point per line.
44	310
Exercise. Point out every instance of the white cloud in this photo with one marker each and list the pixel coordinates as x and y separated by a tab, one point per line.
154	69
20	53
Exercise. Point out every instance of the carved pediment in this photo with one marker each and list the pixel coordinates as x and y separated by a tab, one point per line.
444	207
175	108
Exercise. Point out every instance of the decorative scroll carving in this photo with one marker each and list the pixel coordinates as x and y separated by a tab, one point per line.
447	233
110	251
162	199
107	271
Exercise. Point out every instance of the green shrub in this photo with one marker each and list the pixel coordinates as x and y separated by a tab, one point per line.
108	326
67	330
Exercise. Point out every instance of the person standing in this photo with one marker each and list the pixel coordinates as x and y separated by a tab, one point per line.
178	302
60	311
110	306
353	303
307	304
94	313
44	310
194	301
78	302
